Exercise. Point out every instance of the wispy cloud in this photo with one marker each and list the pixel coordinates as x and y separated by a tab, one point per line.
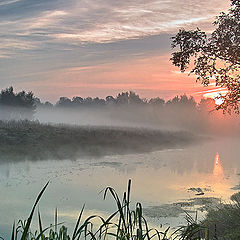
7	2
39	38
45	20
108	22
102	21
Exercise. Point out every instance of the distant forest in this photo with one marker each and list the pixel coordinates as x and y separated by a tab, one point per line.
24	104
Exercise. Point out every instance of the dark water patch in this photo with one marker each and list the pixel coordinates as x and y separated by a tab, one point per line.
199	191
205	203
236	187
107	164
165	210
182	207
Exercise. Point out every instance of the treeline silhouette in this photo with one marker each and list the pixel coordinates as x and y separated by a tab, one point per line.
16	105
129	98
23	105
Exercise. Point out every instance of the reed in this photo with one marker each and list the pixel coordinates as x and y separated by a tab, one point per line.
130	224
123	224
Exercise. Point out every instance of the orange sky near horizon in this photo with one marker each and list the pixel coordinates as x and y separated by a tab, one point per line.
99	48
152	76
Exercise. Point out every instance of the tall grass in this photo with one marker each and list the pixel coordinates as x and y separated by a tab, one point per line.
128	224
224	221
123	224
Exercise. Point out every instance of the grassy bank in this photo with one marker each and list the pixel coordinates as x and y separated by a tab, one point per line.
35	141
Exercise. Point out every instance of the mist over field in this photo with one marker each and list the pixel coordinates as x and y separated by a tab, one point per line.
97	94
173	117
26	140
71	129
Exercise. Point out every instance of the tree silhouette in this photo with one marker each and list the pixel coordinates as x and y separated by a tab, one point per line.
110	100
216	57
48	104
157	102
128	98
173	101
122	98
64	102
134	98
182	101
17	105
206	105
77	101
187	101
98	101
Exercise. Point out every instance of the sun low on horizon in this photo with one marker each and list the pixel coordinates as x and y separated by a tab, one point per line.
119	119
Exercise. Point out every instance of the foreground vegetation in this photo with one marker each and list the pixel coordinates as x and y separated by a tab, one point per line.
124	223
35	141
224	222
221	223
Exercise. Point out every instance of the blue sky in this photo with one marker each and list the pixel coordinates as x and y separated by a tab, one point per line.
82	47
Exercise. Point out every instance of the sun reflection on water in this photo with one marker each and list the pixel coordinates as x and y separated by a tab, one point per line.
218	169
220	182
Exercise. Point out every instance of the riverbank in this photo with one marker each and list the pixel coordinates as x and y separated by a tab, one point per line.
31	140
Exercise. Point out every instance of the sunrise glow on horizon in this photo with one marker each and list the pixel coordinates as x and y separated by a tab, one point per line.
61	48
119	119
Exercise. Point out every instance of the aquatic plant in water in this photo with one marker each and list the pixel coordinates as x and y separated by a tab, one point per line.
127	224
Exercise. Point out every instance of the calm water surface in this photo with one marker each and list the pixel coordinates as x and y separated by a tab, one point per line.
162	177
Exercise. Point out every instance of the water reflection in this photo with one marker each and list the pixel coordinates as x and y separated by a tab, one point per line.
158	178
218	169
220	181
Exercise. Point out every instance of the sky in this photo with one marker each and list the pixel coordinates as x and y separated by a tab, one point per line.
98	47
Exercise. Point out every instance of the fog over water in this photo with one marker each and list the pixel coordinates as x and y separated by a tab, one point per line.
161	177
171	153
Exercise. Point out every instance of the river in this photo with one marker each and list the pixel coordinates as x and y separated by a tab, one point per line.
160	180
